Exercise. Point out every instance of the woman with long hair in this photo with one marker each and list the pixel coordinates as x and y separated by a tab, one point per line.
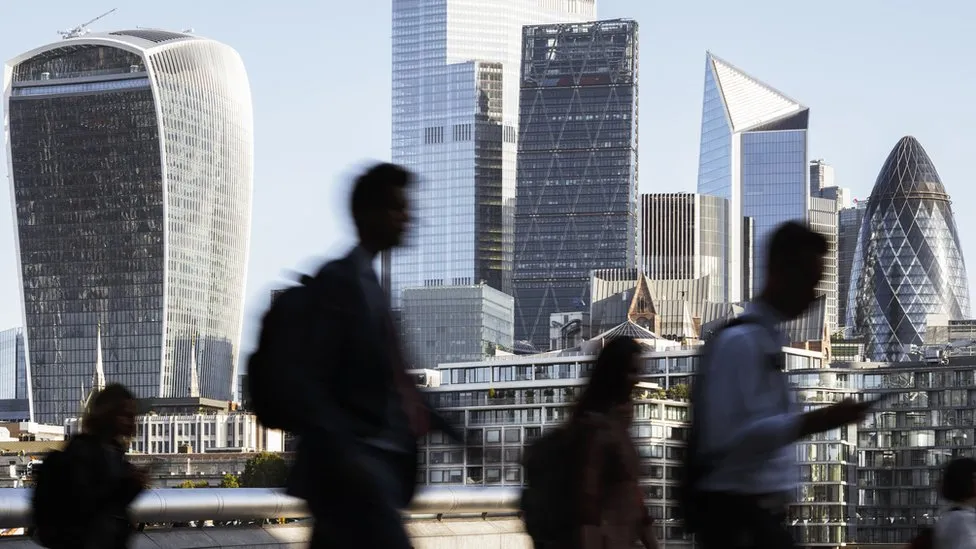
611	504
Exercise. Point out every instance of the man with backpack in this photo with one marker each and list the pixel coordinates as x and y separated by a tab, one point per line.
329	367
741	467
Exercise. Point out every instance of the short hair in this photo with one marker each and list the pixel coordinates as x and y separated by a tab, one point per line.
371	191
791	244
958	480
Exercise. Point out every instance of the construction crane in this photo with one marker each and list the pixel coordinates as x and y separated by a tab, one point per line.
82	29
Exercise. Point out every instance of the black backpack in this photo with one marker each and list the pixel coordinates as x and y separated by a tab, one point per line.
548	503
56	518
271	368
696	466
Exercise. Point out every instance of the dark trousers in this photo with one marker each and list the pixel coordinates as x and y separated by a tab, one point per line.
347	518
734	521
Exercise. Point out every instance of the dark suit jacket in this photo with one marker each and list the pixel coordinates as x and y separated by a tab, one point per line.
343	385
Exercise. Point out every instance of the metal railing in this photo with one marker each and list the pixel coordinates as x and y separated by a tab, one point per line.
230	504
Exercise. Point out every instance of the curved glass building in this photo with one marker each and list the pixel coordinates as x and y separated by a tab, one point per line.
908	263
131	169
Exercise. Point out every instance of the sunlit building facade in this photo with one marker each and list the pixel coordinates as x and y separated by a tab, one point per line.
908	263
753	154
456	69
131	164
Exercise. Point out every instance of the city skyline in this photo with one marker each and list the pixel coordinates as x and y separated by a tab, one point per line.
851	132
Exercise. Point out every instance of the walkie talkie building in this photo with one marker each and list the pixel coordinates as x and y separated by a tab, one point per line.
131	165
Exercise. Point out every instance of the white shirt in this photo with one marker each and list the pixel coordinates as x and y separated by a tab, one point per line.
956	529
750	422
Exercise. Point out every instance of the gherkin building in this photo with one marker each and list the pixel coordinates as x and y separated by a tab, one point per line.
908	263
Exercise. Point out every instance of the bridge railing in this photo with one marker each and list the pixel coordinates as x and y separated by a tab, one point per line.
244	504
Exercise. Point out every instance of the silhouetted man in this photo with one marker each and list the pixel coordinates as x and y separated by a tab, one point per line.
357	457
749	423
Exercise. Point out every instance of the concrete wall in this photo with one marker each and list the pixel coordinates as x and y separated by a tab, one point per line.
502	533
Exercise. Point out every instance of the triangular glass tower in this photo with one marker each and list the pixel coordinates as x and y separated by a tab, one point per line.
754	154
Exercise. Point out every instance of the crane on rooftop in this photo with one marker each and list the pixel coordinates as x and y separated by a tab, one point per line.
82	29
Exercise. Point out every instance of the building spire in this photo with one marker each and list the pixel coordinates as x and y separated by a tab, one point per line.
98	383
194	377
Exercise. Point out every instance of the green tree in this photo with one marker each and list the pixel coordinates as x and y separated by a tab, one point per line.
265	470
679	392
192	484
229	481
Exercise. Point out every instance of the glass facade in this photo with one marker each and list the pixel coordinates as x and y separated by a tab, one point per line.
753	153
908	263
131	173
455	113
577	167
774	187
14	383
456	324
848	229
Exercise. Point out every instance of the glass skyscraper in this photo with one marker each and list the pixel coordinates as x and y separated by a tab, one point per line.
908	263
848	229
753	154
455	118
577	167
131	165
14	382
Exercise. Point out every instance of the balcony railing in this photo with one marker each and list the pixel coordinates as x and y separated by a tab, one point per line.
230	504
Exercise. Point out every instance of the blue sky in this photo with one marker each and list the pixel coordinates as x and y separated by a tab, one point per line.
870	71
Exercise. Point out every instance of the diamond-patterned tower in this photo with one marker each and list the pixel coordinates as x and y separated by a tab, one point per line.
908	263
576	191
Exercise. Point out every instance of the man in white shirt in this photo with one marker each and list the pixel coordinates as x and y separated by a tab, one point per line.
956	528
748	423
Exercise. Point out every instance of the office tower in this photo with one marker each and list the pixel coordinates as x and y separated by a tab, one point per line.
577	167
821	176
15	399
823	220
456	323
131	165
753	154
455	118
908	263
848	228
682	236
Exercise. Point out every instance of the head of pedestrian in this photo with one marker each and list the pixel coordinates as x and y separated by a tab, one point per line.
380	207
959	482
612	381
794	267
111	416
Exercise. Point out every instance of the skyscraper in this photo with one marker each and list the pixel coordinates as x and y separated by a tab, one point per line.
753	154
455	118
577	167
823	219
14	382
682	236
131	165
848	228
821	176
908	263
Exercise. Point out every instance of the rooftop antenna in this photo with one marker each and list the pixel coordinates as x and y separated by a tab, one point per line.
82	29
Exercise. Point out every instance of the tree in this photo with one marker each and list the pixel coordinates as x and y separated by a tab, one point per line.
265	470
229	481
192	484
679	392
